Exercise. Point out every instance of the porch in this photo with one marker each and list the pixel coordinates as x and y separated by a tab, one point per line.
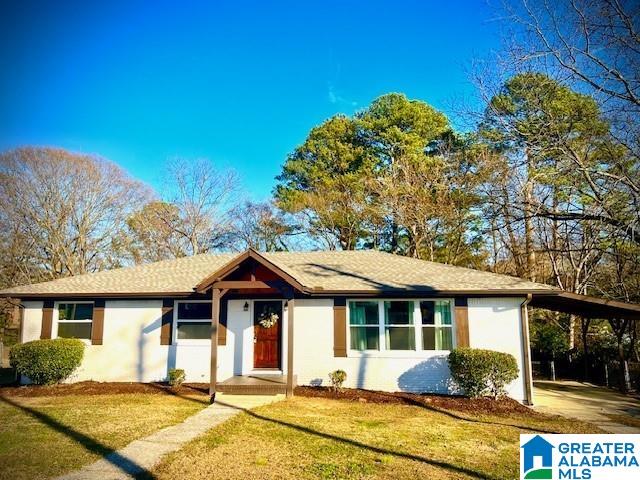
255	384
254	279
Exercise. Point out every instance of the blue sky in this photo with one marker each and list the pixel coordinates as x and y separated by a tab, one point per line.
240	83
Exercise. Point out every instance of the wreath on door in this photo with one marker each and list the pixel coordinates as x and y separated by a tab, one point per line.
268	318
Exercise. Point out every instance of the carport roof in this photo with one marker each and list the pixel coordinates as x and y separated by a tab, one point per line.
586	306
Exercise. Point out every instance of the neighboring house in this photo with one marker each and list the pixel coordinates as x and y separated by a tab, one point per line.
388	321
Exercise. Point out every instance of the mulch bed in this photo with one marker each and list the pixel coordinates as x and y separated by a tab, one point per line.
502	406
104	388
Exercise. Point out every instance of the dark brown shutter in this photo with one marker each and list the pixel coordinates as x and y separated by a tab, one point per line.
222	325
18	317
97	327
462	322
47	320
167	321
339	328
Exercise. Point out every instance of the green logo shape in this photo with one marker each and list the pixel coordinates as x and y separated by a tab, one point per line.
539	473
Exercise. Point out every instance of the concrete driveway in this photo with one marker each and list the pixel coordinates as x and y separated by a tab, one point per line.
611	411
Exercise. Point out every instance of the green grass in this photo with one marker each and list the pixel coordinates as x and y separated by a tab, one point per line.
47	436
312	438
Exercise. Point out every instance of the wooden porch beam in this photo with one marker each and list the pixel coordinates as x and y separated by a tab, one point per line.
215	321
290	376
241	284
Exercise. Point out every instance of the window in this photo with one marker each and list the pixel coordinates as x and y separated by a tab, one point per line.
399	330
74	320
364	325
401	326
193	321
437	330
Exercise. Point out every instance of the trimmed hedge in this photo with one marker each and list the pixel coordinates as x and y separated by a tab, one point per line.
482	372
47	361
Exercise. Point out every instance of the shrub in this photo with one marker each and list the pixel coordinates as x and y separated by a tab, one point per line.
482	372
47	361
176	377
337	378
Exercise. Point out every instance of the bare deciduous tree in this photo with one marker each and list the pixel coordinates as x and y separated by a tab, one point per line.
203	194
263	227
596	42
193	216
152	233
61	212
594	46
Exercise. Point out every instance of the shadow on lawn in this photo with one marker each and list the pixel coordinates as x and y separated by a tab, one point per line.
411	401
88	443
355	443
177	392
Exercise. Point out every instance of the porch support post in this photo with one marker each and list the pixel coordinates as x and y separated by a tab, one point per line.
215	321
290	308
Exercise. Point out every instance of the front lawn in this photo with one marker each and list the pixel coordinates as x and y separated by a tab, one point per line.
320	438
44	436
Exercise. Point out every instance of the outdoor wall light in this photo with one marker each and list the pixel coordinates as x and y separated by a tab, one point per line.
246	306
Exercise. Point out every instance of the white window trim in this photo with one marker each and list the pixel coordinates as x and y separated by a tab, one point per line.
56	318
417	324
188	341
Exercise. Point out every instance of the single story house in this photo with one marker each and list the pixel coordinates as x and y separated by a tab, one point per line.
279	319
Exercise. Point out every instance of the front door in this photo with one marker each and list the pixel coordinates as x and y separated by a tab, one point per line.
267	318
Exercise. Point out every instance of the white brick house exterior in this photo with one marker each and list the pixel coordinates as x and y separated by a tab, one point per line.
132	351
388	321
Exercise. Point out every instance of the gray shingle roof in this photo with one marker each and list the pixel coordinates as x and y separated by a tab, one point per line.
329	271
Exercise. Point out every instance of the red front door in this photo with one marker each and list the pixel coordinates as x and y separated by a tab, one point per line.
266	340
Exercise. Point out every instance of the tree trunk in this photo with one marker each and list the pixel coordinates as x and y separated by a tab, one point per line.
634	341
619	328
584	331
572	333
394	237
528	227
621	360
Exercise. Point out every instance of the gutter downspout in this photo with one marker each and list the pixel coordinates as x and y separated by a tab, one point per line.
526	350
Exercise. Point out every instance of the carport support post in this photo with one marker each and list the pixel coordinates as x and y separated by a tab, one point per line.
290	307
215	321
526	350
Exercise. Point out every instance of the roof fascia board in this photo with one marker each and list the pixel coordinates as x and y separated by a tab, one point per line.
319	292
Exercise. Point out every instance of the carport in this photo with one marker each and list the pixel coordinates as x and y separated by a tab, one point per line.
585	306
582	305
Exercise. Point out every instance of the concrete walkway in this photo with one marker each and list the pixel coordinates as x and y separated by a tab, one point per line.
142	455
588	403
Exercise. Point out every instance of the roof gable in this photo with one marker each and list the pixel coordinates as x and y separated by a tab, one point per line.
270	271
